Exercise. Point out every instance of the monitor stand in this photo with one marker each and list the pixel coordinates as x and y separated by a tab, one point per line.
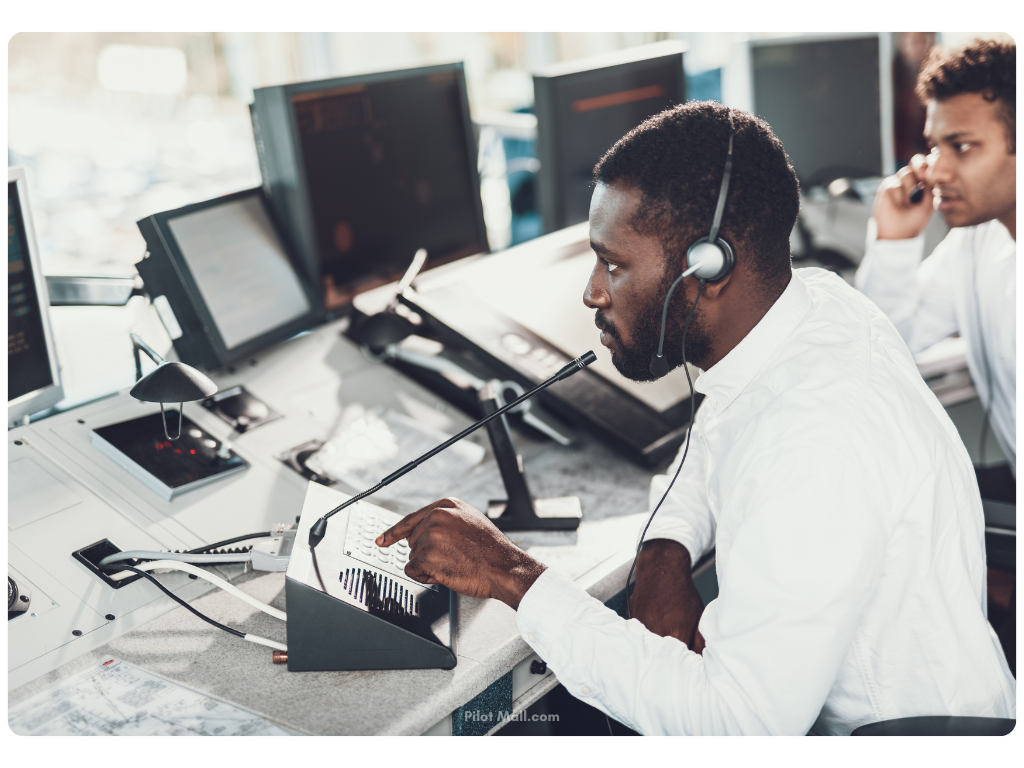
520	511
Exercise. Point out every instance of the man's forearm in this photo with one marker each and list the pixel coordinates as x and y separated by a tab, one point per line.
665	599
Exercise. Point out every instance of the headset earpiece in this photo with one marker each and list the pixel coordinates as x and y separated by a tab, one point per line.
716	259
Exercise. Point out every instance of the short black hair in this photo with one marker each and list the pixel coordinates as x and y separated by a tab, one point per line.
986	67
676	159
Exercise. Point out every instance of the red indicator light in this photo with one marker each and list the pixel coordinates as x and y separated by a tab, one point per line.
192	451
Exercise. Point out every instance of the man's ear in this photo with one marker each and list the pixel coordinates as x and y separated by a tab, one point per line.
712	290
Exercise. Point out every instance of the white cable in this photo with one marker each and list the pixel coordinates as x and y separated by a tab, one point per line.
183	557
231	589
263	641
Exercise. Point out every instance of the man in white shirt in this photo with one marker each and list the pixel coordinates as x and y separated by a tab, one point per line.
968	285
842	503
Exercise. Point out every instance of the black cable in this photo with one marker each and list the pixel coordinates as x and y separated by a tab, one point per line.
175	598
316	567
235	540
686	449
609	721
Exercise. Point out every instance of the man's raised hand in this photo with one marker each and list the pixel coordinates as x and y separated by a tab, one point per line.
896	215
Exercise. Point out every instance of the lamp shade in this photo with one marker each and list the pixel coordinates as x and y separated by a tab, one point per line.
172	382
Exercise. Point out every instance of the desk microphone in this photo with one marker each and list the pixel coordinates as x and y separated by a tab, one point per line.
319	528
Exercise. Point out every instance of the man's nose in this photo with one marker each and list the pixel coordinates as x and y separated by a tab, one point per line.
940	168
595	296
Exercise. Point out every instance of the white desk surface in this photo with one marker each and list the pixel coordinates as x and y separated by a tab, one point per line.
180	647
310	380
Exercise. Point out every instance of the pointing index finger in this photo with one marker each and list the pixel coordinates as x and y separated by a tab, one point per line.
403	527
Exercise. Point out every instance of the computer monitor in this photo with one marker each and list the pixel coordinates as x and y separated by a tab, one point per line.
585	106
829	100
33	375
222	280
362	171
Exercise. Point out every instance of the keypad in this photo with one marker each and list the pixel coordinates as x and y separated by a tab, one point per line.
365	524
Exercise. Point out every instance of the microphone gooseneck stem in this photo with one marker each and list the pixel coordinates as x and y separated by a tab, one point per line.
319	528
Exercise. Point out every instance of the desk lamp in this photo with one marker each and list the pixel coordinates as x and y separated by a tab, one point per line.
169	382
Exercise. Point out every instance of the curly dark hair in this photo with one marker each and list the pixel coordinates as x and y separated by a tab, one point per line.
676	159
986	67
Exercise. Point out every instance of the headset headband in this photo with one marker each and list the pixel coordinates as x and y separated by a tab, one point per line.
723	193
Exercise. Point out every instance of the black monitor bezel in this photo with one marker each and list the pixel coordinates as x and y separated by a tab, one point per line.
887	164
194	296
552	130
50	394
296	89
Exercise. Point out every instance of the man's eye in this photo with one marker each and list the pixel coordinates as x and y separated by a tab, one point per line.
608	265
962	146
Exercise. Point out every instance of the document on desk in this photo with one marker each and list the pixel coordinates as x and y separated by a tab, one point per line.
370	444
118	699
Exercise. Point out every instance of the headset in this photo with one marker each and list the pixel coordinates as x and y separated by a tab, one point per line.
710	259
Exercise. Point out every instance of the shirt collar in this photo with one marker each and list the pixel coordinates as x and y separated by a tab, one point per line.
730	375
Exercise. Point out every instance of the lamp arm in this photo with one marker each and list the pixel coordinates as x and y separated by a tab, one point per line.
137	344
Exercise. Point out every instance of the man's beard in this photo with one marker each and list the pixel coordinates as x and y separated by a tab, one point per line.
634	362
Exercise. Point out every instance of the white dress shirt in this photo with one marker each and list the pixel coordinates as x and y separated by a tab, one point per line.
968	285
850	547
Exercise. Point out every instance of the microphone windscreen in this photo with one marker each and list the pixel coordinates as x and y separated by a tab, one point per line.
659	366
573	366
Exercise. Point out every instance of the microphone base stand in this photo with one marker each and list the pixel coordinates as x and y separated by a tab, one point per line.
520	512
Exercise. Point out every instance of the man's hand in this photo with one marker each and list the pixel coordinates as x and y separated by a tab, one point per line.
455	545
896	216
665	599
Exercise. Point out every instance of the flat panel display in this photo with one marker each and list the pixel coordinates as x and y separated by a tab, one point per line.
241	269
28	359
388	171
582	113
822	98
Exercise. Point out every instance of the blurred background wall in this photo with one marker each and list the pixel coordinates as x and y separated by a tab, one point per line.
116	126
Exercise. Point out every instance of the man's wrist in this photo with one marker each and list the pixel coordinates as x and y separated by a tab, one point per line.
516	581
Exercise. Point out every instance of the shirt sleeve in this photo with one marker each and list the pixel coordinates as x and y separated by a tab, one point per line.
802	567
684	516
916	297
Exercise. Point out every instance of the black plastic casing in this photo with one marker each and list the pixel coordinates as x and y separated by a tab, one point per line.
166	273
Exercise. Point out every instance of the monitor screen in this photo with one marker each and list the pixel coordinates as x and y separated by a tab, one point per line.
241	269
823	100
28	359
581	114
388	170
